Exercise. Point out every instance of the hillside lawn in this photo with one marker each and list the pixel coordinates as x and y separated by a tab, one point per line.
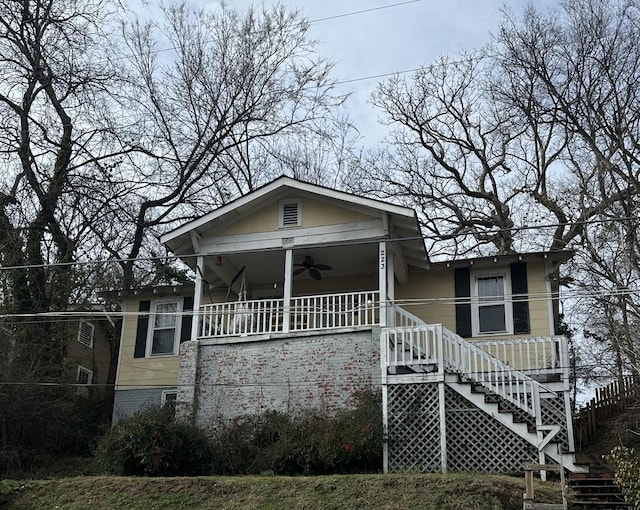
370	492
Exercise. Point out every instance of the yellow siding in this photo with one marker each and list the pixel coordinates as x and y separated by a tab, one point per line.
538	299
262	220
430	295
136	373
329	285
314	214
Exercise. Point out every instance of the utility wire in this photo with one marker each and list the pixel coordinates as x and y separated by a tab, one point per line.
260	384
228	307
349	243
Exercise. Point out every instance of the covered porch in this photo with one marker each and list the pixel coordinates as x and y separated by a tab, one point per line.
279	292
293	257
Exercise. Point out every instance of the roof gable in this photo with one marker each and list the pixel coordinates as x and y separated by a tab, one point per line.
259	210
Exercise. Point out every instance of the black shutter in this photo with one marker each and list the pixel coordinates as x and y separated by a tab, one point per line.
463	306
519	291
141	332
185	328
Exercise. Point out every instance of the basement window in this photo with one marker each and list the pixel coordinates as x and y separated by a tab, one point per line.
85	376
169	397
290	213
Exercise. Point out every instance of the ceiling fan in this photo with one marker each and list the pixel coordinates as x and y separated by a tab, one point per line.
314	269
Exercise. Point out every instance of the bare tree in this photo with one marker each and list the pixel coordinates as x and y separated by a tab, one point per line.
233	87
54	84
452	156
540	127
54	81
532	142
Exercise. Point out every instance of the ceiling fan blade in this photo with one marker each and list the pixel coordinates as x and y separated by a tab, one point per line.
298	271
323	267
315	274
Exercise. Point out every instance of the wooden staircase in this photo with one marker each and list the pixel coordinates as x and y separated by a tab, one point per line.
543	436
506	395
596	491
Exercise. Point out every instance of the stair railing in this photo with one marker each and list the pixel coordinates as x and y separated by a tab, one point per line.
433	344
473	362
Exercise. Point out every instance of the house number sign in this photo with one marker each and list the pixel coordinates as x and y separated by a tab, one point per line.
383	259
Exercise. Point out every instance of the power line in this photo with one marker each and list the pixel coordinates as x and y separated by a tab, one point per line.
301	24
228	306
271	384
434	238
353	13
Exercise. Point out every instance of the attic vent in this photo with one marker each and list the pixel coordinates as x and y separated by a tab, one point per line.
290	214
85	334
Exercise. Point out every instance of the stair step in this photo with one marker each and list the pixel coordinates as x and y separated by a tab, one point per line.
596	491
530	505
602	504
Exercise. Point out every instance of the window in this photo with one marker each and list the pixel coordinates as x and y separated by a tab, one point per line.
492	301
290	213
85	376
164	330
161	326
85	334
169	397
491	310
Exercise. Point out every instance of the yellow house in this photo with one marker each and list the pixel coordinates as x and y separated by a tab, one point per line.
304	295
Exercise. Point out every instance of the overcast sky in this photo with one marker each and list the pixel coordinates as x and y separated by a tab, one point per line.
375	37
367	39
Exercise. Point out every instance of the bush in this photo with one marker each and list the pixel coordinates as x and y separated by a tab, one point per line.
44	422
311	442
152	443
627	465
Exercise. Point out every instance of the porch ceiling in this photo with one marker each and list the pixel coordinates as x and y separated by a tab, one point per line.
268	267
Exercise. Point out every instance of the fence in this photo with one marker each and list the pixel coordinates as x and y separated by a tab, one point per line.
609	401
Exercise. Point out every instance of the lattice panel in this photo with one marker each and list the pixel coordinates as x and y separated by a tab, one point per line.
414	427
477	443
553	413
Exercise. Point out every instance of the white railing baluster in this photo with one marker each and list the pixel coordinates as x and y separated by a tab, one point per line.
308	313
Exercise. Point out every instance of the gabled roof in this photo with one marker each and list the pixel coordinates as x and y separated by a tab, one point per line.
403	219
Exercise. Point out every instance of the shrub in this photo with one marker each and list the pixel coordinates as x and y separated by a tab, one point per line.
152	443
41	423
627	465
310	442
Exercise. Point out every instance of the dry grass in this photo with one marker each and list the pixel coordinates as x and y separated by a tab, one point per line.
397	492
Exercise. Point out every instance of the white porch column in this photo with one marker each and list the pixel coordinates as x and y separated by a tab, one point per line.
288	284
197	298
443	427
391	290
382	279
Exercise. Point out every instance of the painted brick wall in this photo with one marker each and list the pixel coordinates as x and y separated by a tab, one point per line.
285	374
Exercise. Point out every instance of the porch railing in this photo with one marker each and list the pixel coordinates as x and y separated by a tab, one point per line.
538	354
435	345
305	313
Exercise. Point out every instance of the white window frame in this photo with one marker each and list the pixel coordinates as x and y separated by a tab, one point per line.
85	370
165	393
151	327
298	203
476	304
80	336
